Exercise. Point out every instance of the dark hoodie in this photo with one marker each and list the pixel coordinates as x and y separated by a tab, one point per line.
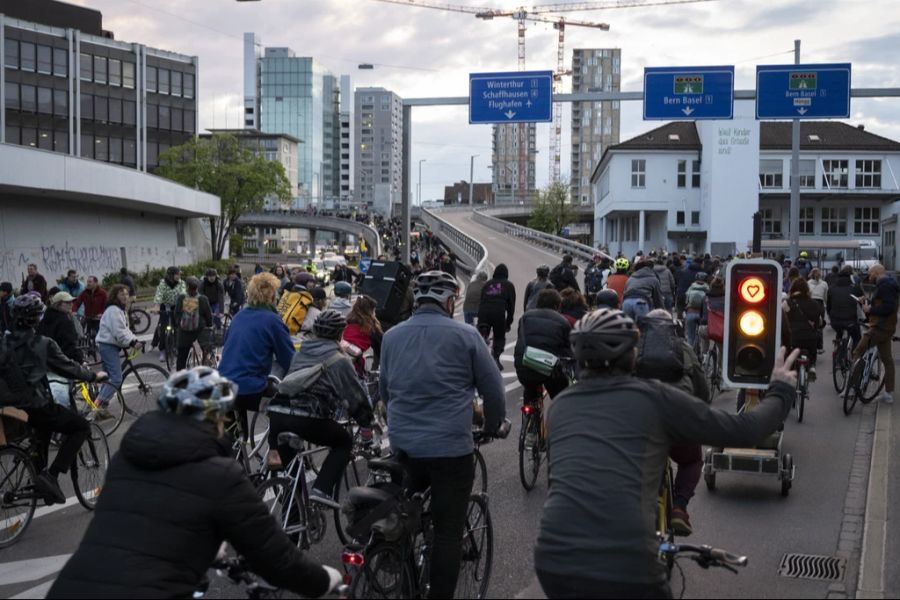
842	309
498	298
686	277
172	496
883	314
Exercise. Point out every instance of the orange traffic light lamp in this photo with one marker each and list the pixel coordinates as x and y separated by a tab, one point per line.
752	322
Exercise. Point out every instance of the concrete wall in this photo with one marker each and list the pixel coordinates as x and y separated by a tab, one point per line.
58	235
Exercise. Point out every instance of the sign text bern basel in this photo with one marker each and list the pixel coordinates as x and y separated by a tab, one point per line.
518	97
803	91
688	93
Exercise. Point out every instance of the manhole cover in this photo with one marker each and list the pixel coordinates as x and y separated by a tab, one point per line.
811	566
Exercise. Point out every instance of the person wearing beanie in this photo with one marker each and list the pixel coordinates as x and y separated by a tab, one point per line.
341	302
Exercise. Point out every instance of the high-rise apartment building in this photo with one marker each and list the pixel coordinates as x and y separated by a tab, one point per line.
507	184
595	125
378	149
346	141
284	93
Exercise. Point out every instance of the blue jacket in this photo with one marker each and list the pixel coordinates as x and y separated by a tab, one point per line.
254	336
685	278
431	367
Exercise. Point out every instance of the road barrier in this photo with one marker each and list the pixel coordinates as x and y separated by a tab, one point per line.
461	244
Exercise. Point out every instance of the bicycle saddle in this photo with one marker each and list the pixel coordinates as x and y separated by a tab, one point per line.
289	438
390	464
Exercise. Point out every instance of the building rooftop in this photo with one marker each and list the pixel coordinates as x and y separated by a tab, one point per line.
55	14
256	133
678	135
822	135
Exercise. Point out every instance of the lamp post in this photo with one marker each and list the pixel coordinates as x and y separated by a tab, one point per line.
419	193
472	180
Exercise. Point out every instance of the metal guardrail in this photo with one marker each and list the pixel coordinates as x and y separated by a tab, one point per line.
460	243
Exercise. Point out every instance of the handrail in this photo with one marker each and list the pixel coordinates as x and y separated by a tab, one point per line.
459	242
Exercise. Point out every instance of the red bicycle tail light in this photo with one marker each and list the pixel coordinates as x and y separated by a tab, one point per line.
354	559
528	409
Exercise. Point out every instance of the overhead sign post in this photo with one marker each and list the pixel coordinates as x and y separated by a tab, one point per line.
803	91
516	97
688	93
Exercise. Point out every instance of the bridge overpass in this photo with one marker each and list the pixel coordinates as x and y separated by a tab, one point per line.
313	223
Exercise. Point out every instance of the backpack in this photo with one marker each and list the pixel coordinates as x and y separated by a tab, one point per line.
660	352
15	389
556	275
695	297
593	279
293	307
190	314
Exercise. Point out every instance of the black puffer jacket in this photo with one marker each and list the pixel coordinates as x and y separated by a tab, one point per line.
172	495
498	298
214	291
841	307
60	327
544	329
804	317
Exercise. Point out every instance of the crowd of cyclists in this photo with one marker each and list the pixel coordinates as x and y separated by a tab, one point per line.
636	330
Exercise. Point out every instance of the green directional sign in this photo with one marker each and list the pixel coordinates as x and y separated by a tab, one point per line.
688	84
803	81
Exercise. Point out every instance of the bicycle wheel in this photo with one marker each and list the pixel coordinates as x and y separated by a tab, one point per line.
83	400
17	498
289	512
195	358
872	386
350	479
840	365
171	350
851	390
530	450
477	551
387	573
139	321
480	484
141	386
89	468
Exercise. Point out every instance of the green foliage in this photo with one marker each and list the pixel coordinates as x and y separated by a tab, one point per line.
236	244
149	278
251	251
220	166
552	211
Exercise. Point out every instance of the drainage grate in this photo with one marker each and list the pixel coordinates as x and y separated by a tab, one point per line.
811	566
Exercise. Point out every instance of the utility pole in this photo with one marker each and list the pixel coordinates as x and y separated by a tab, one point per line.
419	194
472	180
795	175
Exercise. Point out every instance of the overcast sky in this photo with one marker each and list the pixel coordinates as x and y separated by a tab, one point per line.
422	52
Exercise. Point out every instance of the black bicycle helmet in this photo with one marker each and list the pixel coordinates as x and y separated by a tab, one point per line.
200	393
330	325
172	271
543	271
342	289
602	336
607	298
27	310
436	285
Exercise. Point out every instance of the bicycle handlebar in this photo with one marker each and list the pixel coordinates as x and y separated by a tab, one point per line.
705	556
236	570
480	436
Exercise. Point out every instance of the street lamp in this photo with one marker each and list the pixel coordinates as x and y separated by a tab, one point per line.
419	195
472	179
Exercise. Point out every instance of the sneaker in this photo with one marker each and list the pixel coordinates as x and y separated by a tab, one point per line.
102	414
318	496
46	485
887	398
681	522
273	461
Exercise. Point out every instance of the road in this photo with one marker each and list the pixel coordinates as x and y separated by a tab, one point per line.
746	514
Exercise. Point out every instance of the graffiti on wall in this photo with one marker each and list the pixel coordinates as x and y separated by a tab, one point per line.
55	259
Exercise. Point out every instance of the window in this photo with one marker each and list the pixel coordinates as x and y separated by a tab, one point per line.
100	69
101	108
115	150
176	83
771	221
682	173
61	141
695	173
807	173
26	59
11	55
679	217
85	66
188	85
151	79
152	116
189	121
129	112
115	110
29	100
867	220
13	134
129	154
128	75
45	100
29	137
808	220
177	116
165	120
868	173
60	62
152	154
834	221
115	72
87	106
771	173
45	139
11	96
695	217
87	146
638	173
163	81
835	174
101	148
45	60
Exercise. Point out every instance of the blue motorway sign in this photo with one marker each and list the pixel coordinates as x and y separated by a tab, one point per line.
364	265
803	91
520	97
688	93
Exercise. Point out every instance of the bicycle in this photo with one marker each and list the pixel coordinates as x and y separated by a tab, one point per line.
864	373
203	352
841	359
705	556
238	572
138	321
165	336
23	456
802	390
87	334
712	368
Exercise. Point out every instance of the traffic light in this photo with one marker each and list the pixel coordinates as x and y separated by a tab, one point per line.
752	322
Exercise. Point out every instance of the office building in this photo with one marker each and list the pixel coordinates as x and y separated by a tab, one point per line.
378	150
508	186
346	147
458	193
595	125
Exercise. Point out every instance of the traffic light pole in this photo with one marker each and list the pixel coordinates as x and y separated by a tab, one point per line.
795	176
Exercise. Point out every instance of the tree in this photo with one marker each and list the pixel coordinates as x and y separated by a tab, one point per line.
220	166
552	211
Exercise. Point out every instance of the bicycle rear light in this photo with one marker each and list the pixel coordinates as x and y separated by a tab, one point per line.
353	559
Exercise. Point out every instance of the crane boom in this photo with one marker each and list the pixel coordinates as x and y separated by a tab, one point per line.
604	5
474	10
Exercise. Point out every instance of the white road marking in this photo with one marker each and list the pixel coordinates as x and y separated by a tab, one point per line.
39	591
513	386
507	358
508	375
509	345
21	571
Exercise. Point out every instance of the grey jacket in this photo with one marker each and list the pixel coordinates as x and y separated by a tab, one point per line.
114	328
431	367
473	295
644	283
666	280
342	305
609	444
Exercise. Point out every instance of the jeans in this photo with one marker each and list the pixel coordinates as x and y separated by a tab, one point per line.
469	316
635	307
691	322
451	484
321	432
568	586
882	339
110	355
53	417
669	302
216	309
690	466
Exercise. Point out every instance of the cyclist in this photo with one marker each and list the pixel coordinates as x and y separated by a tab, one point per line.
607	298
363	330
170	287
882	314
214	290
574	306
193	315
341	302
712	317
563	274
93	299
667	285
257	334
803	317
693	305
6	304
804	267
59	325
34	356
234	287
642	291
595	276
610	437
112	336
497	310
536	286
126	280
430	414
685	277
842	307
309	404
473	297
618	280
818	291
172	495
320	301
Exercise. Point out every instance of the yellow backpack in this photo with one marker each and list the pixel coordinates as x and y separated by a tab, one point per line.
293	307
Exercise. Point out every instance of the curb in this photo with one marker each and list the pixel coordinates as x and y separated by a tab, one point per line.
874	545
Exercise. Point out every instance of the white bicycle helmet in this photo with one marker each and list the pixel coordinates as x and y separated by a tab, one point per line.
200	393
437	286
